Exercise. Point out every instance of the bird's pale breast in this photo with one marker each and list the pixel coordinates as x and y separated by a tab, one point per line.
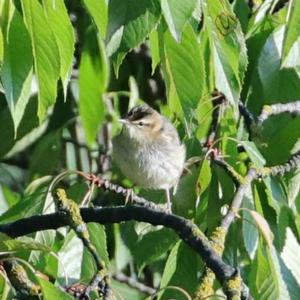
156	165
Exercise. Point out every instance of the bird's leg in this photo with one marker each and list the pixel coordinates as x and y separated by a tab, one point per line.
169	204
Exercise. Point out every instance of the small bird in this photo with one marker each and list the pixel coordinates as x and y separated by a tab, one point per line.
148	150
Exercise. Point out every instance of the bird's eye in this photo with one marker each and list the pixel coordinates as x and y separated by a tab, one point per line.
140	124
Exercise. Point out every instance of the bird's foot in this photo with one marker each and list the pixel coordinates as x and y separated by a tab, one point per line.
129	196
95	180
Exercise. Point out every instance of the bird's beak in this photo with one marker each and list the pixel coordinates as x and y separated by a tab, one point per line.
123	121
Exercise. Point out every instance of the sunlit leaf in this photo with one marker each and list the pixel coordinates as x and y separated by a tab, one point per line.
72	248
185	70
228	49
51	292
291	43
290	254
267	276
8	244
250	231
45	54
98	239
16	73
263	226
93	80
130	22
278	84
254	154
61	26
176	14
98	10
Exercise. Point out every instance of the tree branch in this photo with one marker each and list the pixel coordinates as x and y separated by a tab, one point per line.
186	230
276	109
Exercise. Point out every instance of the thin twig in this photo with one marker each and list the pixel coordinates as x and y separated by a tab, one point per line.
132	282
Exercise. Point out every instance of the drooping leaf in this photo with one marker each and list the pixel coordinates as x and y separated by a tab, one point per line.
250	231
263	226
185	70
16	73
61	26
180	270
144	247
45	54
291	42
154	47
278	84
98	10
228	48
69	266
254	154
184	200
176	14
130	22
93	80
1	48
292	285
51	292
46	156
290	254
98	239
9	245
4	287
267	276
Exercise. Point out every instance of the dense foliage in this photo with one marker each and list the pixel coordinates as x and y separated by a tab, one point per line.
70	69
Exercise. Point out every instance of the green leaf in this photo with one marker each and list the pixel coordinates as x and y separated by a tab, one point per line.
93	80
130	22
290	281
144	247
1	48
290	254
292	36
278	130
99	12
254	154
275	194
126	291
181	271
16	73
98	239
61	26
278	84
185	70
28	206
228	49
176	14
72	248
45	53
204	178
250	232
51	292
4	287
8	244
46	155
154	47
187	190
267	276
263	226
